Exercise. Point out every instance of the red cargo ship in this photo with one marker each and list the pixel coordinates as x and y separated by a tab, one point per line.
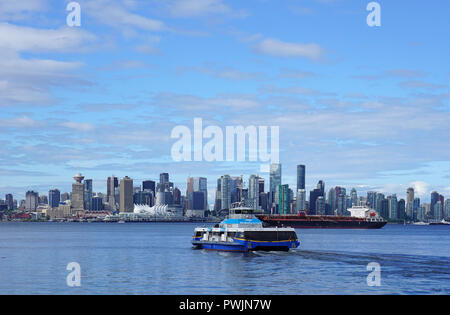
361	218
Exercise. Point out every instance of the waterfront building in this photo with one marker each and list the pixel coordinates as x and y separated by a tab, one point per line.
65	196
144	198
200	184
196	201
31	201
43	199
416	207
176	196
421	213
78	193
54	198
301	176
313	195
320	205
331	201
438	213
126	195
149	185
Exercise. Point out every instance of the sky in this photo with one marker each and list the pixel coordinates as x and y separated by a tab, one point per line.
364	107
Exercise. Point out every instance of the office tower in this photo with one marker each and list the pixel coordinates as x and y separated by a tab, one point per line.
43	199
385	208
321	186
320	205
112	185
253	192
371	197
434	199
126	195
421	213
176	196
331	201
379	203
218	201
275	180
97	203
447	210
401	209
149	185
78	193
54	198
410	203
416	207
196	200
313	195
31	201
200	184
144	198
354	197
88	194
284	201
225	193
438	207
163	178
341	201
301	200
301	176
9	202
393	205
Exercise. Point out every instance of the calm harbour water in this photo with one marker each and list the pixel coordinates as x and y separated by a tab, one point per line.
157	258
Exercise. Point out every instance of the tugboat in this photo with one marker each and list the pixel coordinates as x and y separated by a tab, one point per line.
241	231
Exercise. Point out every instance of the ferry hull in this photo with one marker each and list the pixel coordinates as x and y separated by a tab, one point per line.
245	246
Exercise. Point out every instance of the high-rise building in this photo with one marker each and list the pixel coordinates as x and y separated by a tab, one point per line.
88	194
9	200
416	207
371	198
148	185
225	191
112	185
393	206
126	195
301	176
313	195
284	199
434	198
275	181
97	203
31	201
78	193
196	200
320	205
301	200
163	178
331	201
447	210
401	209
253	192
354	197
200	184
54	198
410	203
438	213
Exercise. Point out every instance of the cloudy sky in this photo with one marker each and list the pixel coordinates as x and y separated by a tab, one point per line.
365	107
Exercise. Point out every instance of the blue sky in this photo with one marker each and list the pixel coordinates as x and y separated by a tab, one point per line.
365	107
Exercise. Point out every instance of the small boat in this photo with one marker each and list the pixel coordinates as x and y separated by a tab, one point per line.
443	222
241	231
121	222
421	223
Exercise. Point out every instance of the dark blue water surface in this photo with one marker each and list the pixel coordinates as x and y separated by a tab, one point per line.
157	258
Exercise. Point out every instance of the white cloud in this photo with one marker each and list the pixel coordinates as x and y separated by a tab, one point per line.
78	126
278	48
195	8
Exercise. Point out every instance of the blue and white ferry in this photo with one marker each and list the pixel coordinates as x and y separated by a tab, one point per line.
241	231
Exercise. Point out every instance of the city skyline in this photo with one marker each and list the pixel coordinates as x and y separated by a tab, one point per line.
102	98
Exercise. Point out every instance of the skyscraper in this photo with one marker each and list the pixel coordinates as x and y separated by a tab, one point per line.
447	210
112	184
126	195
301	176
284	200
9	201
393	206
301	200
225	191
54	198
371	197
253	192
434	199
148	185
275	180
88	194
200	184
78	193
31	201
410	203
354	197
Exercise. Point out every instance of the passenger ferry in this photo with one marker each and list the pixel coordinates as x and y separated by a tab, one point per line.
241	231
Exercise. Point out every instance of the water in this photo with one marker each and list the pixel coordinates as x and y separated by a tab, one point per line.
158	259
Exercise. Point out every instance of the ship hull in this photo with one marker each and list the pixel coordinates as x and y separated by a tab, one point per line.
298	223
246	245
